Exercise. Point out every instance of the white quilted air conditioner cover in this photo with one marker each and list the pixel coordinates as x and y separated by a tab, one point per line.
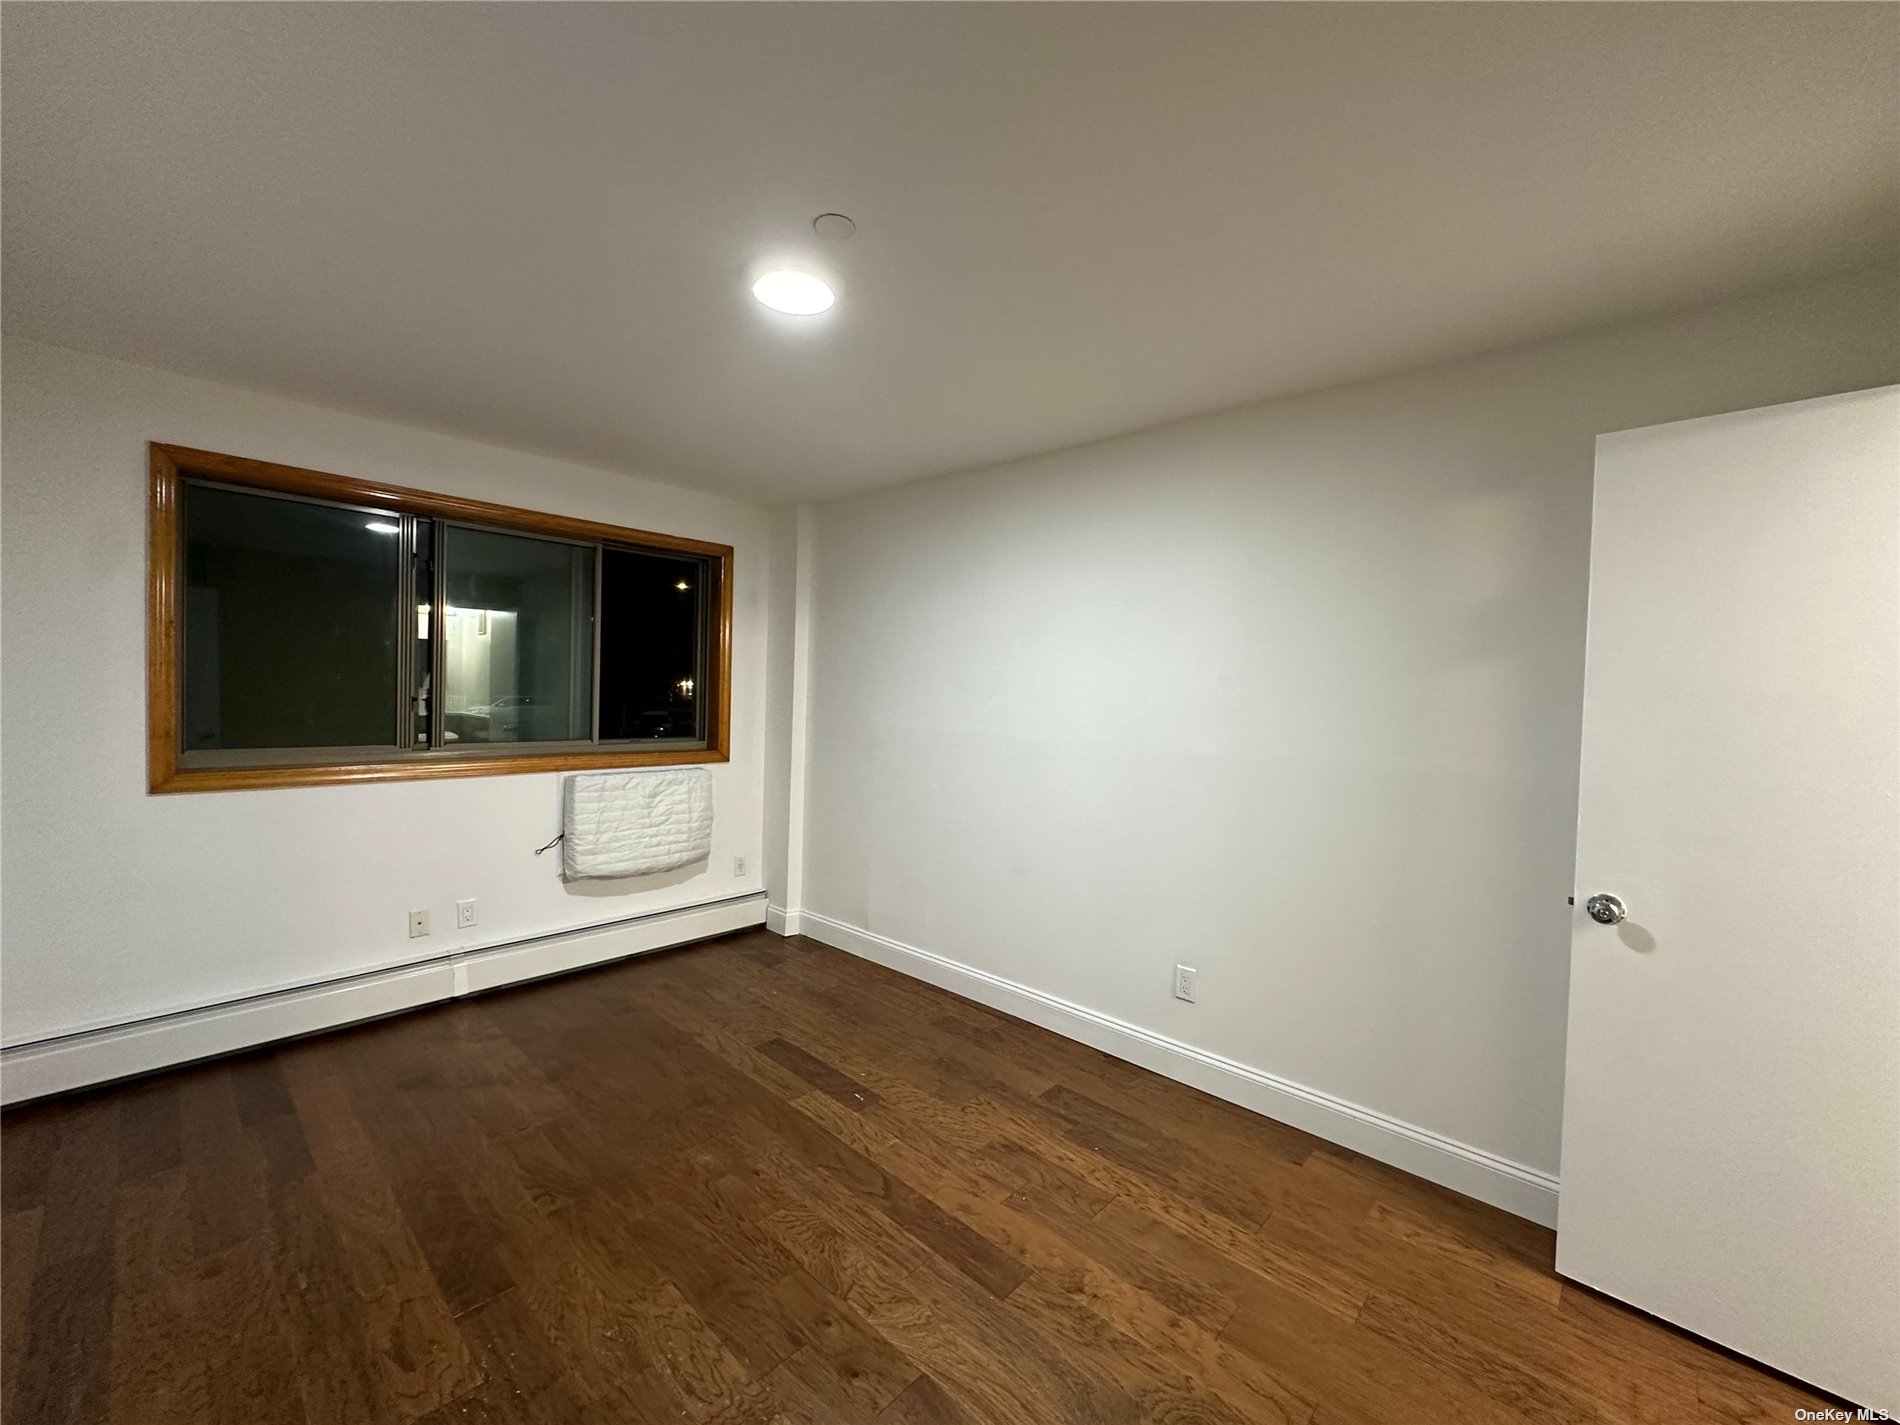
635	823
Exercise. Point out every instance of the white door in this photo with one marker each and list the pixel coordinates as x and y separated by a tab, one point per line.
1731	1137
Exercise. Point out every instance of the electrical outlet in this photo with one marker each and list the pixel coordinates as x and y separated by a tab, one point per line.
738	865
418	923
464	914
1184	983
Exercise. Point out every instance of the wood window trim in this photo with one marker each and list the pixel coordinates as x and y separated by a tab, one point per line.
172	465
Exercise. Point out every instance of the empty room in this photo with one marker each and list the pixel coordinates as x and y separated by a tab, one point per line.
949	713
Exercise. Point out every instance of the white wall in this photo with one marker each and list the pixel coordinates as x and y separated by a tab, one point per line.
779	669
1289	694
121	905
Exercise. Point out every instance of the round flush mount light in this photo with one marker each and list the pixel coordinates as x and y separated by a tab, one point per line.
833	225
797	294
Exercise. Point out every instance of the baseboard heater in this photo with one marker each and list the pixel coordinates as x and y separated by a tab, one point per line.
65	1062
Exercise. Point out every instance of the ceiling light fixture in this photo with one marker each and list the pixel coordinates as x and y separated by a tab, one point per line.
797	294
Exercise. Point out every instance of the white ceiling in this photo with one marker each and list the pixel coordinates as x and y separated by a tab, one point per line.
534	224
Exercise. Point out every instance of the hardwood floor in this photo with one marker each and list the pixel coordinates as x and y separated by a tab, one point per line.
758	1180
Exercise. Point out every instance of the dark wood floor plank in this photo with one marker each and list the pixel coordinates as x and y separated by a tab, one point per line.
456	1241
736	1048
911	1090
759	1182
396	1305
31	1135
1179	1341
341	1378
816	1072
984	1383
1032	1178
149	1129
517	1361
923	1402
1159	1390
724	1285
783	1400
257	1084
685	1365
285	1153
1174	1284
845	1363
160	1369
1452	1351
574	1311
911	1211
498	1085
1636	1367
814	1208
1247	1262
1017	1350
227	1173
549	1168
907	1025
81	1184
19	1258
63	1377
241	1307
1345	1367
1247	1198
1345	1176
1174	1108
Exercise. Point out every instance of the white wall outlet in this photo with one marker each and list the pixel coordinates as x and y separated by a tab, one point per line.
738	865
464	914
418	923
1184	983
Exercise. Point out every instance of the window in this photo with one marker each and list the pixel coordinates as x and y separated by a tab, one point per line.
517	638
309	628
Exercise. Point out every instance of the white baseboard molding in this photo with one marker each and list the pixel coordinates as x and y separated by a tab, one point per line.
781	921
98	1056
1445	1161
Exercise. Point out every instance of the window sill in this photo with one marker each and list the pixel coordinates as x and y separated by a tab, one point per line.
422	767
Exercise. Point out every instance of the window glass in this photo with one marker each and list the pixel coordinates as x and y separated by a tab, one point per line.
290	622
518	638
652	645
422	651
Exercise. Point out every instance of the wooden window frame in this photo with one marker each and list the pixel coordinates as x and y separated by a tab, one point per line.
173	465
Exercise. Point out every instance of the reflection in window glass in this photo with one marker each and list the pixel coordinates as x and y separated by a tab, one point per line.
518	639
290	622
652	645
422	652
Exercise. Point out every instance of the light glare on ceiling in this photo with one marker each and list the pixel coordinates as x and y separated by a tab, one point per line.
797	294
